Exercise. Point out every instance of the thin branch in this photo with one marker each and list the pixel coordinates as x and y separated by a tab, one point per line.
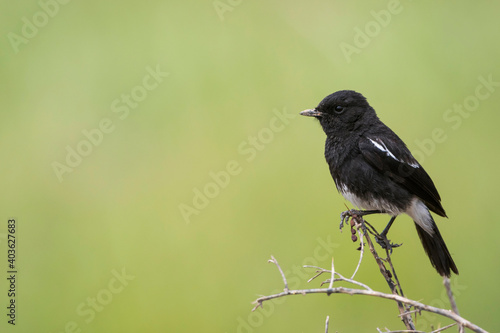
404	304
333	276
353	281
398	284
360	224
320	271
410	312
274	261
400	331
446	282
342	290
360	254
454	308
415	331
444	328
327	322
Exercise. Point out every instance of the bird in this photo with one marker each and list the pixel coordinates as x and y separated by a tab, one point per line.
374	170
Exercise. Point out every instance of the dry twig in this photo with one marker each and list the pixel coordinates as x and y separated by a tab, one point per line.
414	331
454	308
360	224
361	251
404	304
342	290
274	261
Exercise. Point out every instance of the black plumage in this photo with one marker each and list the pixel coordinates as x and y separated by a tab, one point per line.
374	170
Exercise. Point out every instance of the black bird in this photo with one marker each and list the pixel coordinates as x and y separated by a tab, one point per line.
375	171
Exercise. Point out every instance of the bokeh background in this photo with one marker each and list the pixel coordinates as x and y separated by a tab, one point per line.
238	74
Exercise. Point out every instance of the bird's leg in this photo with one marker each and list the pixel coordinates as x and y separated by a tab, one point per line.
382	237
387	227
344	216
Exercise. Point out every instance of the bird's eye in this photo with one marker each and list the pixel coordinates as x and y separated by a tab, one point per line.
338	109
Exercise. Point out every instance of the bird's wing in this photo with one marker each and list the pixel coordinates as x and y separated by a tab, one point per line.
391	157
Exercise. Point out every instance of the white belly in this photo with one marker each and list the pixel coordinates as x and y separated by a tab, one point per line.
417	210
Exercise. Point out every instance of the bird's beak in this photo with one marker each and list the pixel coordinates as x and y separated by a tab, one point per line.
311	113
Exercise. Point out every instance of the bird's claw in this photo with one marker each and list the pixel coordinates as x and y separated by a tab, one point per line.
385	243
345	216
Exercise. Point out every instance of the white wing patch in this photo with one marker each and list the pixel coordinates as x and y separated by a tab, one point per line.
381	146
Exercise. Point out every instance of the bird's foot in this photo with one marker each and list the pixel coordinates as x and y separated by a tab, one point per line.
345	216
385	243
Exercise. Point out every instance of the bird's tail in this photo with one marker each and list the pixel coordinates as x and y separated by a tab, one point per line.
436	250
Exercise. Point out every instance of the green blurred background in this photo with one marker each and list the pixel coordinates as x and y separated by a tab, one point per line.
232	67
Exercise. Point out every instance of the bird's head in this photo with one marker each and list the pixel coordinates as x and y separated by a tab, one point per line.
344	110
